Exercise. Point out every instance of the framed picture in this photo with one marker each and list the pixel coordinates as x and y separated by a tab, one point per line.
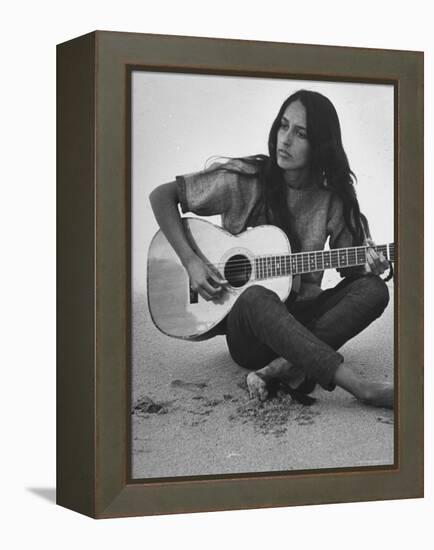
240	274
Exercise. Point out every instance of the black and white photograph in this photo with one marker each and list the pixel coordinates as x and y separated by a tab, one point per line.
262	281
217	238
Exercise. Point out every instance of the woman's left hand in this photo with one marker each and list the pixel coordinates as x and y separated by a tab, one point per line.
376	263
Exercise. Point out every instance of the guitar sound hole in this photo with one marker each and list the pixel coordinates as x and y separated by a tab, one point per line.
238	270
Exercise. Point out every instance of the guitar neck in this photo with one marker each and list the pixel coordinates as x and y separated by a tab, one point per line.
309	262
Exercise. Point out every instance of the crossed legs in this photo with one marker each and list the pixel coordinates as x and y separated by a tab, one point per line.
260	329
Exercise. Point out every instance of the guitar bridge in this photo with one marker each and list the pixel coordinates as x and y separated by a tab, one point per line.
194	295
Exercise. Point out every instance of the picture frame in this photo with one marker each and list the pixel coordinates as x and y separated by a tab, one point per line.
94	270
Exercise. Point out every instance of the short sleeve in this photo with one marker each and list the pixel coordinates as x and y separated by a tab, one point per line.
215	191
340	235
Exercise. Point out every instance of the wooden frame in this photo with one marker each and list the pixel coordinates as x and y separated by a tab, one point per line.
94	259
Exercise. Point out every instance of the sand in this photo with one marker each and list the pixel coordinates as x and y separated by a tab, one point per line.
192	414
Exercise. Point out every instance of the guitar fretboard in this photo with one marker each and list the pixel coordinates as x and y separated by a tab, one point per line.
309	262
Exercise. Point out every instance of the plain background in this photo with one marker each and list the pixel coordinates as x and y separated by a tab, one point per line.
29	34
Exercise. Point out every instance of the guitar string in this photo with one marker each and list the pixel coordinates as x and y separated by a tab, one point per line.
284	260
288	261
266	274
301	255
289	268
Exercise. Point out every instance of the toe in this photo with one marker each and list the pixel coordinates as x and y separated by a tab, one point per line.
257	387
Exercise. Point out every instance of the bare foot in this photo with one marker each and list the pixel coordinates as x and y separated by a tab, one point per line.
281	370
257	386
263	383
378	394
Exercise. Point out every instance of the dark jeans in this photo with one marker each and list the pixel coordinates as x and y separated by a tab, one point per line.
260	327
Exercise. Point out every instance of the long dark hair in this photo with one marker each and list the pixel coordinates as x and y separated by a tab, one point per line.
328	163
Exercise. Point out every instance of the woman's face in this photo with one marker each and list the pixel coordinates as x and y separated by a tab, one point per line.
293	149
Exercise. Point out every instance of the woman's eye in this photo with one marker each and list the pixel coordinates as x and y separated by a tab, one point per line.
302	134
284	125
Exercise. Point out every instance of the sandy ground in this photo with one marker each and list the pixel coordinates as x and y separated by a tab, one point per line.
192	414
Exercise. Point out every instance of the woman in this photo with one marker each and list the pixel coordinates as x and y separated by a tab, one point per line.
305	186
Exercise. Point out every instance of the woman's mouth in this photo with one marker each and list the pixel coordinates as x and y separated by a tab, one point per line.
284	153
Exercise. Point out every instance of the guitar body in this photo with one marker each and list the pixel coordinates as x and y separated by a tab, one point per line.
178	311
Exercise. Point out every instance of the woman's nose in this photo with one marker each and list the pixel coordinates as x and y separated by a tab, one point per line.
287	138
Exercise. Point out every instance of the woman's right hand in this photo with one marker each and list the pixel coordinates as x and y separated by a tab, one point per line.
205	279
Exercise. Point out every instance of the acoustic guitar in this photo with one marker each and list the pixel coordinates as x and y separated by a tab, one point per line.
261	255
